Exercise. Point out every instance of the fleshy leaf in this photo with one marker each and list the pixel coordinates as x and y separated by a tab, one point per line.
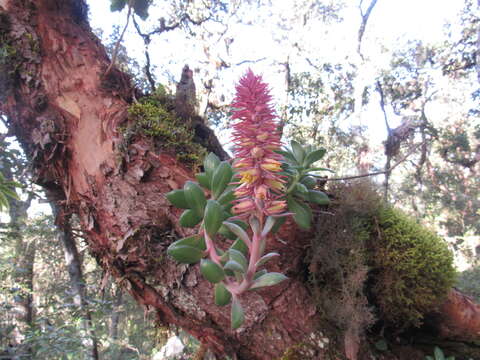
213	217
302	213
189	219
222	295
234	266
298	151
185	254
265	258
177	199
210	163
221	178
203	180
195	197
238	257
237	315
314	156
268	279
211	271
237	230
318	197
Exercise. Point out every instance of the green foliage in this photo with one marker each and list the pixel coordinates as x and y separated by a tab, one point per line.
413	266
154	117
140	7
438	355
298	167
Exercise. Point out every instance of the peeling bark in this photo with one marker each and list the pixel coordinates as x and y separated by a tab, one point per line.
66	114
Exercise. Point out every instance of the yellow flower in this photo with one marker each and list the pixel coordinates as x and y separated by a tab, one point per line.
249	176
276	207
275	184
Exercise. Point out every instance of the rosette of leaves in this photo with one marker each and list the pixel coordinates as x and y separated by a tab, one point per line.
232	271
298	166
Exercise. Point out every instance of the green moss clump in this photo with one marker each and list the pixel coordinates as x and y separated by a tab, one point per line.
154	117
412	268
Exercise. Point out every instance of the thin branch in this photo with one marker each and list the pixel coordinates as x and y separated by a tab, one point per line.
382	105
117	45
363	25
374	173
146	40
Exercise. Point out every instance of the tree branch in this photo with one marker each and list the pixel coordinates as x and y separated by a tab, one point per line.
363	25
117	45
388	170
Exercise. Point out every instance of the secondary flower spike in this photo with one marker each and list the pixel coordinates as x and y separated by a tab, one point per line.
256	137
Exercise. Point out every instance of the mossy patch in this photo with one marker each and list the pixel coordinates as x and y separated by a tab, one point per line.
413	267
154	116
365	250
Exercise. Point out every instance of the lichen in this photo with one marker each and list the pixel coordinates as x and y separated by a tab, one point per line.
154	116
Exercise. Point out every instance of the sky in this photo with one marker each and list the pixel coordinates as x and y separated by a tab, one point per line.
391	23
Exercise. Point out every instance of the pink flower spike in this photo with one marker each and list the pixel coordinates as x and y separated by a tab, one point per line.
256	137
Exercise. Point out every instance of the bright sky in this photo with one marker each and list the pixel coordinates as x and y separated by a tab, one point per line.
390	25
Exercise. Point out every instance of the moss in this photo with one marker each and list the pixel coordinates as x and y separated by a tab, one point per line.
413	266
154	117
368	250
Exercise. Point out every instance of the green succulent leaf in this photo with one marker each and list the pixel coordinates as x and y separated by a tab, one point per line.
177	199
238	257
185	254
302	212
259	273
265	258
314	156
237	230
298	151
210	163
269	224
438	353
213	217
194	240
203	180
234	266
224	231
309	181
301	189
221	178
222	295
269	279
227	197
288	156
240	246
211	271
318	197
189	219
237	315
195	197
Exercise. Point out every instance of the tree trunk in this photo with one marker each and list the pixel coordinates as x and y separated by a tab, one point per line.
66	115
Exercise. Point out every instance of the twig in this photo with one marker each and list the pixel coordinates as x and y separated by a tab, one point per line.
146	40
117	45
361	30
374	173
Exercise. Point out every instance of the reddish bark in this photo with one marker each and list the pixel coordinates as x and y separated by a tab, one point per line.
459	318
66	114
